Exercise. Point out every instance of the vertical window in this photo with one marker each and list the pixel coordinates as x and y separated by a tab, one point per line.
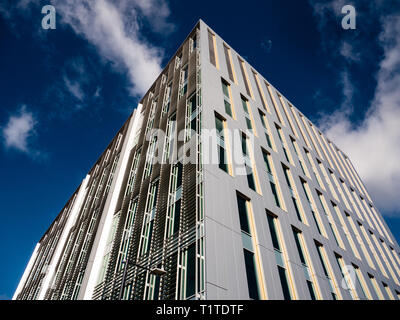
289	120
343	271
372	248
148	220
331	221
194	43
280	261
248	249
250	171
192	113
150	157
388	292
169	137
167	98
133	171
222	154
383	256
298	154
314	169
293	192
119	139
327	270
188	262
212	49
272	181
229	65
247	113
184	81
328	181
152	114
361	283
283	143
375	285
314	211
245	78
227	98
260	93
266	130
174	200
271	96
304	261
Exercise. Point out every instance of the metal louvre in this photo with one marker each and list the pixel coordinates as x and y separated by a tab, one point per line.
175	88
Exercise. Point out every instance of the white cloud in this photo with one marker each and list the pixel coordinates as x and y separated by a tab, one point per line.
18	130
347	51
74	88
374	144
111	27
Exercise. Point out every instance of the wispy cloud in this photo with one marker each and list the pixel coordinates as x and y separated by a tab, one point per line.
348	52
74	87
18	130
373	143
112	28
115	29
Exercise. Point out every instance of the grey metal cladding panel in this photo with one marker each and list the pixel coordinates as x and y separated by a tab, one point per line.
225	262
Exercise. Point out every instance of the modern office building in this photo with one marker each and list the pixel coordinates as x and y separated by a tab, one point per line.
236	196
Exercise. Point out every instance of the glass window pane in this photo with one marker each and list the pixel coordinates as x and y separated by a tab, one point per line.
251	275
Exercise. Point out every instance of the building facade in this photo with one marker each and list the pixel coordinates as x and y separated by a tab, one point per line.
216	187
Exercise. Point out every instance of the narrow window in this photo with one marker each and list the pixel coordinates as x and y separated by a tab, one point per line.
271	177
212	49
229	65
375	285
250	172
292	191
299	244
167	98
388	292
343	271
281	264
327	270
184	81
150	157
245	78
266	130
222	156
283	143
169	137
260	93
148	220
248	116
360	282
248	249
227	97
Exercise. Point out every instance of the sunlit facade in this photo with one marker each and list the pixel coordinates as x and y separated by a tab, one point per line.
269	208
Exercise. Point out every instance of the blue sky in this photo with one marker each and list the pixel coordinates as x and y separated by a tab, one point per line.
65	92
